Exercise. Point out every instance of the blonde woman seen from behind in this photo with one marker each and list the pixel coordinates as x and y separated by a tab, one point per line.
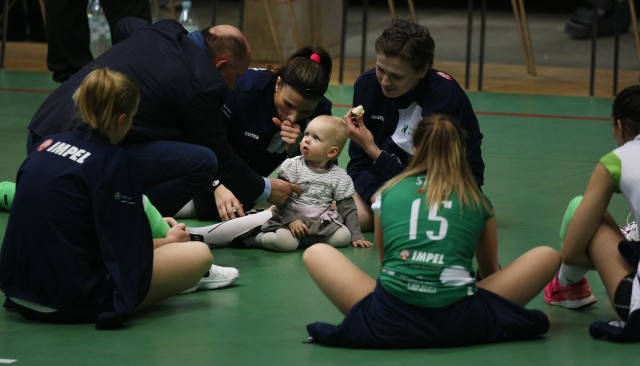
97	261
430	223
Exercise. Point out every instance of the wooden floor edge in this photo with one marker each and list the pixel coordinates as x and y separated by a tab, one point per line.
498	78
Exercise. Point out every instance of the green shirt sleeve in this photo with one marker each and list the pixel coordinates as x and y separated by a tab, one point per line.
613	164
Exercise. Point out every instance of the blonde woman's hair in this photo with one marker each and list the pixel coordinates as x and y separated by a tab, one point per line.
439	152
103	96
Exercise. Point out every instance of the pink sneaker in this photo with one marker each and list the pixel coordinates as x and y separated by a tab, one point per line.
574	296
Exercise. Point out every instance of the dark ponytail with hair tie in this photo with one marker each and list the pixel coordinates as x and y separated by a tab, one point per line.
307	71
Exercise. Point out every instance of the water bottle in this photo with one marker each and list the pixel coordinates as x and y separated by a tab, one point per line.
100	39
186	18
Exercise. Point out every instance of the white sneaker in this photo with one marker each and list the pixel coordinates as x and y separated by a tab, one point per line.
630	232
216	277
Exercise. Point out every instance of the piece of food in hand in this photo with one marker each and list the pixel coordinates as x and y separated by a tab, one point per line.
355	113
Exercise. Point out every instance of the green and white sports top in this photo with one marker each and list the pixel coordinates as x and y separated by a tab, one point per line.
623	164
428	251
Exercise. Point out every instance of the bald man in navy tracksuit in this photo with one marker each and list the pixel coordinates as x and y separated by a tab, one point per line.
177	137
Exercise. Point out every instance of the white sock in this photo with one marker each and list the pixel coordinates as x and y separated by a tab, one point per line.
221	234
280	241
341	238
187	212
570	274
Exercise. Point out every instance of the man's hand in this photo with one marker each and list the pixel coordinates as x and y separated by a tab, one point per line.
227	204
281	190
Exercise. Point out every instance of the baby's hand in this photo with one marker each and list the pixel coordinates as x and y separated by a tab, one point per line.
362	243
298	228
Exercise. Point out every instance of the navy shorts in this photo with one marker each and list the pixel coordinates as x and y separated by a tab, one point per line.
56	317
630	251
382	321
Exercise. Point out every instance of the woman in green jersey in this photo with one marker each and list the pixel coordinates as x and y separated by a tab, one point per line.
430	223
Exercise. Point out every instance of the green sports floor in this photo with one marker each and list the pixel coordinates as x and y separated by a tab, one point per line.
539	152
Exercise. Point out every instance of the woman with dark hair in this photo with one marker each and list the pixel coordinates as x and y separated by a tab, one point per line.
264	117
591	238
401	89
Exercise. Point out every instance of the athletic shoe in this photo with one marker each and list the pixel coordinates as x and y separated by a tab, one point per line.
216	277
573	296
630	232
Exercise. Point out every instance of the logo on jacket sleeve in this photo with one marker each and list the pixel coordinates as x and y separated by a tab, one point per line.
444	75
45	144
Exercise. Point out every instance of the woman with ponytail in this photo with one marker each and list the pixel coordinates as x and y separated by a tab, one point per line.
264	116
78	247
592	239
430	222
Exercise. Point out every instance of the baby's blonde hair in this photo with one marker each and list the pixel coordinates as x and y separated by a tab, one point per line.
340	129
